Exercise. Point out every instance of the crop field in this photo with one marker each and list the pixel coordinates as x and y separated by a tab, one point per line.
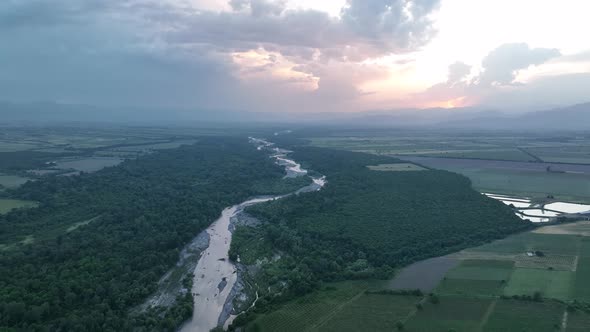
582	284
512	315
459	314
401	167
311	310
577	154
482	270
371	312
578	321
503	164
551	283
470	287
548	261
521	243
9	204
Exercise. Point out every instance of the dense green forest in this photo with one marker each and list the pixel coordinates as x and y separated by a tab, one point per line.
98	243
364	224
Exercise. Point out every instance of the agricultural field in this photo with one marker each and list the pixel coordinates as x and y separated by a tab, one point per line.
9	204
488	288
311	311
512	315
551	283
370	312
502	164
451	313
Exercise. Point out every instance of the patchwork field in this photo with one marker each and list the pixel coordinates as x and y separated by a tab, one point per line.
503	164
494	287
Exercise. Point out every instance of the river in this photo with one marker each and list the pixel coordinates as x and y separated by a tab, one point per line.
215	275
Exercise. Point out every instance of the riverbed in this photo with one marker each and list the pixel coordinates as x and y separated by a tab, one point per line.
215	275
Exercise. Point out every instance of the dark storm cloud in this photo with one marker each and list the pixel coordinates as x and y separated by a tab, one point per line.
148	52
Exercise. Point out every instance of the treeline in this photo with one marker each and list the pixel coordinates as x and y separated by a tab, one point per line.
365	223
89	278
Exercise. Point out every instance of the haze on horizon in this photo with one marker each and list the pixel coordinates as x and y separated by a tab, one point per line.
296	55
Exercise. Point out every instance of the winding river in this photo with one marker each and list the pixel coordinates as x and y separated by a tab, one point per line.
215	275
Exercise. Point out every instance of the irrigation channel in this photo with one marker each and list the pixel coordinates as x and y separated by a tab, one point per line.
215	275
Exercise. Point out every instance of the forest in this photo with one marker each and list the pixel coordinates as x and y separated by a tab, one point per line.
98	243
364	224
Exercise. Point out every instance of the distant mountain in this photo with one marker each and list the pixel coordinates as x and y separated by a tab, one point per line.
576	117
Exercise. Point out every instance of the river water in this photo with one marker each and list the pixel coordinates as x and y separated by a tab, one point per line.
215	275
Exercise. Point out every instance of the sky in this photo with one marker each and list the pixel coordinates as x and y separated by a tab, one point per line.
297	55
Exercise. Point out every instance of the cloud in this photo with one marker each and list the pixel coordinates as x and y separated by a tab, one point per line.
458	71
497	78
154	52
502	64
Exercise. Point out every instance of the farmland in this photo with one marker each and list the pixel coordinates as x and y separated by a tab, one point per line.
500	163
489	288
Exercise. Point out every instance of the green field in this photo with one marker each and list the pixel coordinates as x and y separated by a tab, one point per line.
459	314
511	315
469	287
371	312
485	176
482	270
521	243
312	310
8	204
582	280
551	283
578	321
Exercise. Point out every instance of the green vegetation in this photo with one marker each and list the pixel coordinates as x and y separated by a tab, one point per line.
364	223
581	285
7	205
482	270
513	315
498	162
370	312
550	283
149	208
309	311
459	314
